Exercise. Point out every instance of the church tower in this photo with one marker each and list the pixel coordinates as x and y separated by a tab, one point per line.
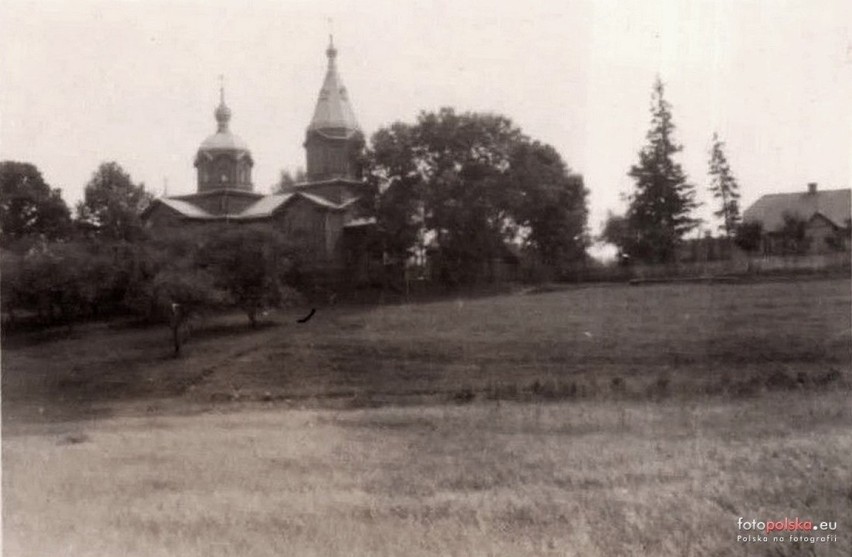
333	140
223	160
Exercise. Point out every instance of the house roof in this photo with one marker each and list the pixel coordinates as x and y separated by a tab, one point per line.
769	210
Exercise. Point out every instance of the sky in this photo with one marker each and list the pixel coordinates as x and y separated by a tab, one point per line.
136	82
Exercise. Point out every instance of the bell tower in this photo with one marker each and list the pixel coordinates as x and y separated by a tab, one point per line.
333	141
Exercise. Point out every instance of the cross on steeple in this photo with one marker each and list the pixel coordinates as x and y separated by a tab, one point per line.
223	113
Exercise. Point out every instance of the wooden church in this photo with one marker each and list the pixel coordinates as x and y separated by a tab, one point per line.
322	215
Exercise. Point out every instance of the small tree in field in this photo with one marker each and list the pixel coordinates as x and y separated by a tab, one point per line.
250	264
724	187
183	294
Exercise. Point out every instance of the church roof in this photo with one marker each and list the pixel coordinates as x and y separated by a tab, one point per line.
769	210
333	111
320	200
223	141
185	208
265	206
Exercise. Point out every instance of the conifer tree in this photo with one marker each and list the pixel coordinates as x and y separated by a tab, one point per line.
660	211
725	188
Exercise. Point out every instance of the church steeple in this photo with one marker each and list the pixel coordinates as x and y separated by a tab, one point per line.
333	141
333	113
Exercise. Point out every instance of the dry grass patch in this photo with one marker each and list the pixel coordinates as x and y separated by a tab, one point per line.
588	478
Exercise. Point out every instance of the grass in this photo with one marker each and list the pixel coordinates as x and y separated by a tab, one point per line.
588	478
593	421
587	342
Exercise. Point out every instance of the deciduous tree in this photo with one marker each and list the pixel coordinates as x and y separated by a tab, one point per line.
28	205
250	264
548	202
748	236
287	181
473	183
113	203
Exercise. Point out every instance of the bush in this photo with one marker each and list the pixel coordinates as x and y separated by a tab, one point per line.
62	282
748	236
170	277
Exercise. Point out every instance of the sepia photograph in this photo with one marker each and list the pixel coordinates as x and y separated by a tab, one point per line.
426	278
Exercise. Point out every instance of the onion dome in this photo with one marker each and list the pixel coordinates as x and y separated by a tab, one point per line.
223	139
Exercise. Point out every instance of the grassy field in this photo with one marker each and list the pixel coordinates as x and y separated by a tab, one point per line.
606	420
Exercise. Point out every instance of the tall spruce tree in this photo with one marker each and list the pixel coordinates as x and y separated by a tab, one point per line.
724	187
662	203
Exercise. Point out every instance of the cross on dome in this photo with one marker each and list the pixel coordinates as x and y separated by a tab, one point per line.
223	113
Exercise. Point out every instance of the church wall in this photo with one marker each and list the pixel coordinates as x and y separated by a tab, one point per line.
163	217
303	223
329	158
334	236
326	159
224	171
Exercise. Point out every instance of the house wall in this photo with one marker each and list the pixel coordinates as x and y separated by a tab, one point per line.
820	233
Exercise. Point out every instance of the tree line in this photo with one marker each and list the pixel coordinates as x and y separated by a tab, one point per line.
169	277
465	188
